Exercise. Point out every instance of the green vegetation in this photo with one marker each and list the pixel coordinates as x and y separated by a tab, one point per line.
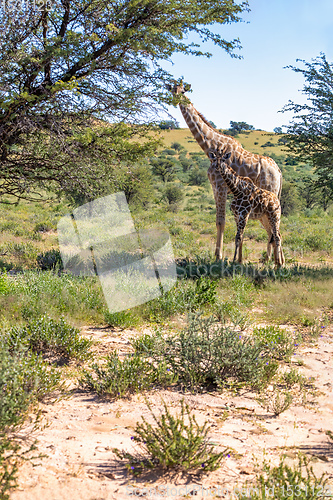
93	77
116	378
207	354
276	401
175	442
283	482
71	130
54	339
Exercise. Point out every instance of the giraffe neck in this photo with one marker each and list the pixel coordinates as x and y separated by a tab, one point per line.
206	136
232	180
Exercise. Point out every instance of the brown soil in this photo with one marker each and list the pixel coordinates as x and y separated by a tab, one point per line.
83	429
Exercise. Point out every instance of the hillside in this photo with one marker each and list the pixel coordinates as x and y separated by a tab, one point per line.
253	141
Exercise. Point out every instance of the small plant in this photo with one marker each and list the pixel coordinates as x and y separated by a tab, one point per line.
284	482
277	401
205	291
175	442
277	341
118	378
293	377
49	337
11	455
50	260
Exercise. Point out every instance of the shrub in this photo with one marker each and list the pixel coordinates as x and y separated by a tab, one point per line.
197	177
50	260
118	378
283	482
207	353
49	337
277	341
25	379
174	442
293	377
174	194
177	146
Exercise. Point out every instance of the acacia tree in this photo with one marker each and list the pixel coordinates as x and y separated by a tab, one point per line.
65	65
310	134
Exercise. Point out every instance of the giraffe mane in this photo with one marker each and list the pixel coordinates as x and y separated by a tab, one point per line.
215	130
206	121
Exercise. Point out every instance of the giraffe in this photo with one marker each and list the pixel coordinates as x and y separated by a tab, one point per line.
263	171
249	198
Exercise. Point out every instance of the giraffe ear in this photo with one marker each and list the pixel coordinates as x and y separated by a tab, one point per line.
226	156
187	87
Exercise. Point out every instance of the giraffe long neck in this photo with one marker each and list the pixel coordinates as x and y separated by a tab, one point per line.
206	136
232	180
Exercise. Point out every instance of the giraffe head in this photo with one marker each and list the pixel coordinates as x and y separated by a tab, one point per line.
178	87
217	158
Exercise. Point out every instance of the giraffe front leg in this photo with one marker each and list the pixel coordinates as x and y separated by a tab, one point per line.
241	223
220	191
220	226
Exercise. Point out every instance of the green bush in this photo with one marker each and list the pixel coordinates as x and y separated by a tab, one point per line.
117	378
184	297
174	442
25	379
50	338
283	482
174	193
277	341
51	259
207	353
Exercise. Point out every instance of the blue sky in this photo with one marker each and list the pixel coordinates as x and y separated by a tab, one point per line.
273	35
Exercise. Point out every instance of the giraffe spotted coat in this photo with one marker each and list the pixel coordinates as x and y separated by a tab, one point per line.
250	199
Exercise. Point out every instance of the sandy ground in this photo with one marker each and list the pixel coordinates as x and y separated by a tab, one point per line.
83	430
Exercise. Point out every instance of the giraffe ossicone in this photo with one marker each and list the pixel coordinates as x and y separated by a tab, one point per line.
263	171
250	199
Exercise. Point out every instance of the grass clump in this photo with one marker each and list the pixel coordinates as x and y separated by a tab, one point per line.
116	378
283	482
206	354
122	319
51	338
276	401
174	442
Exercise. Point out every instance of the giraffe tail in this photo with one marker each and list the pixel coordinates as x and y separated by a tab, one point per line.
279	193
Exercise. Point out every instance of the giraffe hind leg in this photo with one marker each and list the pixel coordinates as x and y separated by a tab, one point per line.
265	222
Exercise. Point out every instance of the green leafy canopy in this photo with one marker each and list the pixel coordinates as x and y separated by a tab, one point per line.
71	62
310	134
